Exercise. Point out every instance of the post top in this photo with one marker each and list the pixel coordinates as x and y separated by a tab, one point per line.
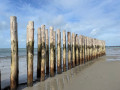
42	26
13	18
51	28
31	23
39	29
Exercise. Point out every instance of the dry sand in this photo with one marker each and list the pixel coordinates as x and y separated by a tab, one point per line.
99	74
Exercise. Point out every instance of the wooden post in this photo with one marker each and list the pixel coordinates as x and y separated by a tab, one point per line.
47	51
80	40
14	53
77	57
54	43
73	49
0	79
90	48
69	49
104	49
39	54
94	48
97	48
30	54
51	53
93	55
82	43
43	54
87	49
64	50
83	47
59	70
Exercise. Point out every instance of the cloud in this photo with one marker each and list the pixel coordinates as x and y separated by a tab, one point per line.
93	18
94	32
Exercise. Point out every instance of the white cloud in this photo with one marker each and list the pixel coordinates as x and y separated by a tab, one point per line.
94	32
94	18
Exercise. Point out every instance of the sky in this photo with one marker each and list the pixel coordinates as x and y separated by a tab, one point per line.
93	18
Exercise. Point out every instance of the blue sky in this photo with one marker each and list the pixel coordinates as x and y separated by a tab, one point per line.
94	18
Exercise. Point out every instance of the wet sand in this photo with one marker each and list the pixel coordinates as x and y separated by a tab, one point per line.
100	74
95	75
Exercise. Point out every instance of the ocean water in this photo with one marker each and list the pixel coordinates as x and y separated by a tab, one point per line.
112	54
6	52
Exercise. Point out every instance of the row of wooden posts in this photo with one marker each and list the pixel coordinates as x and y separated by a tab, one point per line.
80	49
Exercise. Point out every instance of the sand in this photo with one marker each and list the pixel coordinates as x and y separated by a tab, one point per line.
99	74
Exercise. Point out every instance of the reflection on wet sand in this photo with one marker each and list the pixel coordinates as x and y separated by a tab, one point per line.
53	84
59	81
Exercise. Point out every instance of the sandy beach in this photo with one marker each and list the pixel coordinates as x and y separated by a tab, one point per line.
96	75
100	74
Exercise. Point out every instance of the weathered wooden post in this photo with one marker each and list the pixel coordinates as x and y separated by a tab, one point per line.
101	47
64	50
104	49
73	49
51	53
39	54
43	54
69	49
91	48
83	47
94	48
98	51
14	53
47	51
77	57
54	43
88	48
30	54
0	79
97	48
92	45
80	40
59	70
93	55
